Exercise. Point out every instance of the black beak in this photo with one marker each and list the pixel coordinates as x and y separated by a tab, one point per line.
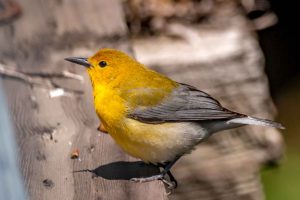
78	60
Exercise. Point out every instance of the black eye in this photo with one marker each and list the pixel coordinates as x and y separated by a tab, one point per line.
102	63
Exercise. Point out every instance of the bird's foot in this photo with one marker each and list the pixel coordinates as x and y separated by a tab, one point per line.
102	129
147	179
170	184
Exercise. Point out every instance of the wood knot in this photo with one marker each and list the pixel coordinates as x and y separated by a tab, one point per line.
48	183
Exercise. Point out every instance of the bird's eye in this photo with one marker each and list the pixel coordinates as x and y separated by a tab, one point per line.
102	63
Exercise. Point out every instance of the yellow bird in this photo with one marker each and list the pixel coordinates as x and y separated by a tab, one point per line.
152	117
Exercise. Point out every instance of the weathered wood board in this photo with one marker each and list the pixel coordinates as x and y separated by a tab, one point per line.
49	129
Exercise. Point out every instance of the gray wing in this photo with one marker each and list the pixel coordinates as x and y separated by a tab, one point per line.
186	103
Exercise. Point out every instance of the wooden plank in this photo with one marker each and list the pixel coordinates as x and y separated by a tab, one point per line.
49	129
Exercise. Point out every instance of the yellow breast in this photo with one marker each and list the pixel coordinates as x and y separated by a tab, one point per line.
110	108
155	143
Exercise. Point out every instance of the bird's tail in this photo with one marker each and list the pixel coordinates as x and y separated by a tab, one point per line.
255	121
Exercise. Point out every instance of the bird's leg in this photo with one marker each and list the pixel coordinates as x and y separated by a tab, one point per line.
172	184
173	181
101	128
166	170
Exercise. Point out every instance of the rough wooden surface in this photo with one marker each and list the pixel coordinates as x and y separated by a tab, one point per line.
49	129
223	58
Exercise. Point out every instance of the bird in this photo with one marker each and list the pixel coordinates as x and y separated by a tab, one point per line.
152	117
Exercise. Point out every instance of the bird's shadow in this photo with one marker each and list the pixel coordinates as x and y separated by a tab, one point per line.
122	170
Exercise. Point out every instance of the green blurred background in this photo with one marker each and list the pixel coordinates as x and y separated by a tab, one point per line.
283	181
281	46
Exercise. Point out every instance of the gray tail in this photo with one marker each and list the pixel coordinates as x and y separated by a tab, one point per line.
255	121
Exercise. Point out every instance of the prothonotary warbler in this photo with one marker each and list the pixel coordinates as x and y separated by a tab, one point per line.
152	117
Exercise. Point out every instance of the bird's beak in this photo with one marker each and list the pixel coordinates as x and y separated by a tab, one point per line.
79	60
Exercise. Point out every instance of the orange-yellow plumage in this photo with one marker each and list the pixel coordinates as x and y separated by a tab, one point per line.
119	88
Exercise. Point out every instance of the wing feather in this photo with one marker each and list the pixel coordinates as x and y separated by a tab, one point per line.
185	103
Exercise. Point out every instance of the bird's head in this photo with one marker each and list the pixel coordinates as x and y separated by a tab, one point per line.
108	65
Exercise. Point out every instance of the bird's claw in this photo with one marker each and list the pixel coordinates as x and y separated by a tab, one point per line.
170	184
147	179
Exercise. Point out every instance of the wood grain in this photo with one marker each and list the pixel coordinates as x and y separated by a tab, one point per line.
49	129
